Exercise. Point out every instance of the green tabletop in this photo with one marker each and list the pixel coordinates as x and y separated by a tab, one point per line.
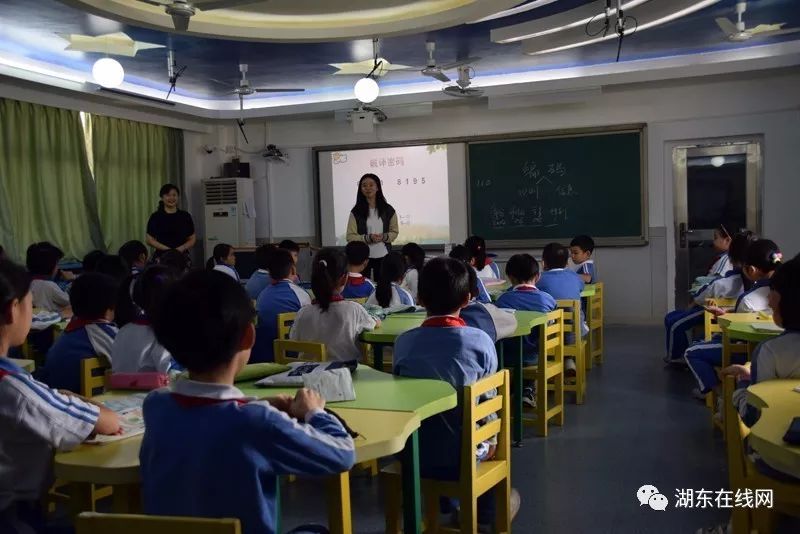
778	402
376	390
746	331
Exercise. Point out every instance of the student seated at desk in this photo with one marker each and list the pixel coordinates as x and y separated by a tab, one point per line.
498	323
135	349
292	247
331	319
763	257
260	279
581	249
90	260
135	255
722	242
679	323
35	420
42	260
388	292
415	260
559	282
462	254
223	260
445	348
90	333
358	286
209	451
174	259
483	264
283	296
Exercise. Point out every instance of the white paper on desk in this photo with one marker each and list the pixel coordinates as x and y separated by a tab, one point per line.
335	385
767	327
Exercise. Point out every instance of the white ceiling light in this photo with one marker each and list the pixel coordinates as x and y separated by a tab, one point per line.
718	161
366	90
108	72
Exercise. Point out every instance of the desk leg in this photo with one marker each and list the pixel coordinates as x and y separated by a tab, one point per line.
500	357
126	499
412	501
516	407
80	498
377	356
339	516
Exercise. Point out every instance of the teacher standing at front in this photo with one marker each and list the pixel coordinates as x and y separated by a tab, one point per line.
169	227
373	221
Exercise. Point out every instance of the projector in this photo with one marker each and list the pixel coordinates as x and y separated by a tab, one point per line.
363	121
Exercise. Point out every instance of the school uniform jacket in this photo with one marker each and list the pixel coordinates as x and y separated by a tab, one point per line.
728	287
48	295
586	267
721	266
136	350
338	327
400	297
483	294
496	322
283	296
490	270
35	420
529	298
227	269
411	282
208	451
754	299
257	282
81	340
358	286
563	284
444	348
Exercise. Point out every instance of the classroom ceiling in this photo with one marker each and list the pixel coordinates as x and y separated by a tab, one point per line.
34	35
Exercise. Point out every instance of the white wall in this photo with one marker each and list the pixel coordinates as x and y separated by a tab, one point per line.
639	280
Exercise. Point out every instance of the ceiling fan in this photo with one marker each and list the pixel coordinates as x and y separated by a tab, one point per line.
173	72
462	87
244	89
739	32
437	71
183	10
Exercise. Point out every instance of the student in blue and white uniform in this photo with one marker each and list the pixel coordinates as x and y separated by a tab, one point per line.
559	282
283	296
41	260
680	323
203	431
581	249
415	260
499	323
135	349
445	348
331	319
134	253
388	293
35	420
358	286
89	334
722	242
483	264
462	253
763	257
260	279
223	260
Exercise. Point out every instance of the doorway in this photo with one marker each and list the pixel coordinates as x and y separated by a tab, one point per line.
714	184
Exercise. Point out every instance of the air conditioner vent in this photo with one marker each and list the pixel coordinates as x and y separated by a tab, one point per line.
220	192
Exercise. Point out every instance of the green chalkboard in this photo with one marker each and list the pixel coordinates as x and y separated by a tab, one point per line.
532	191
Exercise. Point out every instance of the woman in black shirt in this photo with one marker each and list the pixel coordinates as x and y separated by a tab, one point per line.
170	228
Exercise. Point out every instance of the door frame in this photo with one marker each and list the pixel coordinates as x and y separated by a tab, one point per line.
752	149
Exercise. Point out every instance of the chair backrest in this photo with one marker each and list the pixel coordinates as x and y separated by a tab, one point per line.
551	336
478	407
288	351
596	304
93	376
710	324
735	433
285	322
362	300
93	523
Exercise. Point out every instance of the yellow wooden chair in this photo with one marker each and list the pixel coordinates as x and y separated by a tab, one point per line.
285	322
362	300
710	324
93	377
548	374
742	474
92	523
577	349
289	350
476	478
595	320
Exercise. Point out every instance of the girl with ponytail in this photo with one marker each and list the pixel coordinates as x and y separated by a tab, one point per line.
389	293
331	319
223	260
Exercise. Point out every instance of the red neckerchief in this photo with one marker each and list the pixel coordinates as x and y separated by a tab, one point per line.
525	287
186	401
355	280
334	298
76	323
444	320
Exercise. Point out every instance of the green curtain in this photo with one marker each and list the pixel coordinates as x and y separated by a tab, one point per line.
132	160
46	188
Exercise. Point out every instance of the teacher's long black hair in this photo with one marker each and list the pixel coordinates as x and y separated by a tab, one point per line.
328	268
361	209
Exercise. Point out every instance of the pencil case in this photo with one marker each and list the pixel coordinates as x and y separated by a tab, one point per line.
146	381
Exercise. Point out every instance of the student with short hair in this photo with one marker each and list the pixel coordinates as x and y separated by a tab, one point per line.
358	286
331	319
174	259
203	431
483	264
415	260
463	254
445	348
261	278
282	296
498	323
135	348
223	260
135	255
35	420
388	293
114	266
42	259
90	260
90	333
581	249
558	281
291	246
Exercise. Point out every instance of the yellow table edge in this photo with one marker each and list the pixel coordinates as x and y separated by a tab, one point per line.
766	436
